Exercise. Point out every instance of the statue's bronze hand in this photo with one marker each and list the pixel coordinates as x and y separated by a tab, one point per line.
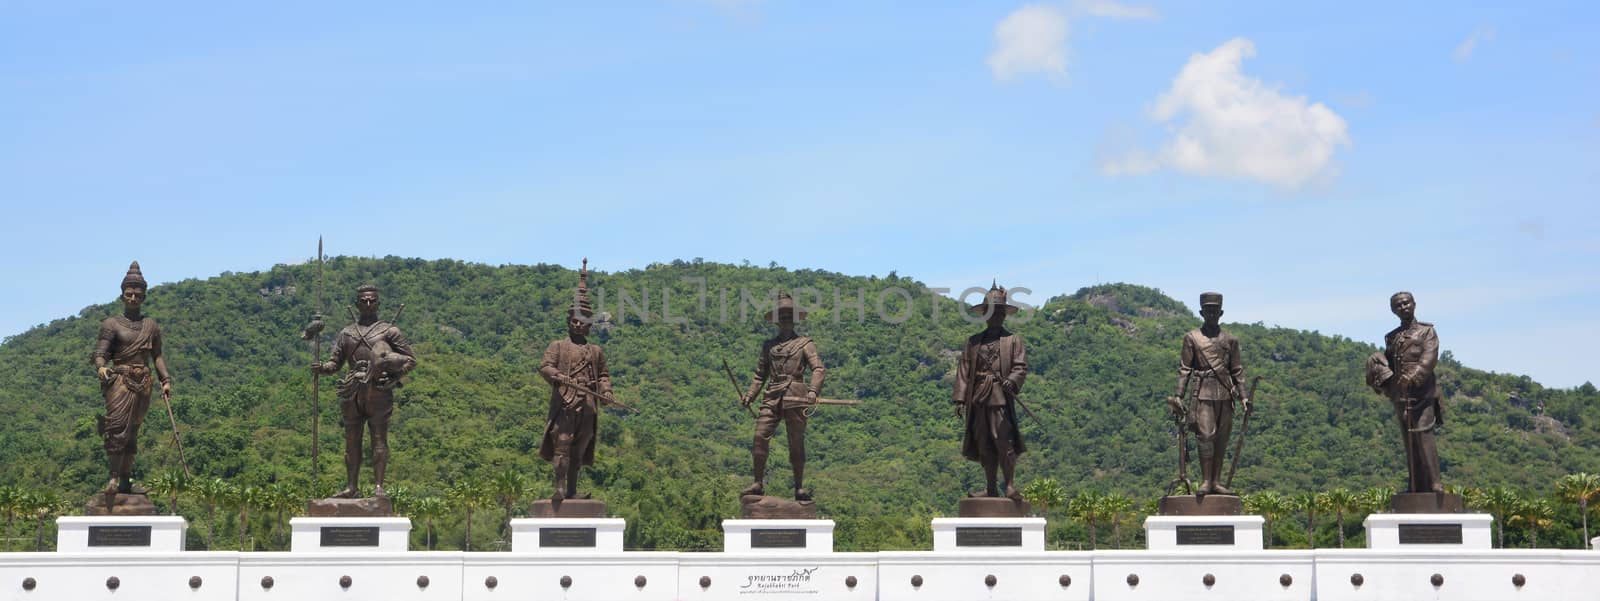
166	390
104	373
961	410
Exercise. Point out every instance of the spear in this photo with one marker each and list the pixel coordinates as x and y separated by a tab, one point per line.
313	333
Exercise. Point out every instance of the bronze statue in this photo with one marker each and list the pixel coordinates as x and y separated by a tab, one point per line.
579	382
989	376
1210	359
785	396
378	356
128	344
1403	372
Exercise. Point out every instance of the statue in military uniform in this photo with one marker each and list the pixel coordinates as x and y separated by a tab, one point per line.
378	356
126	348
1210	358
785	396
1403	372
579	382
989	377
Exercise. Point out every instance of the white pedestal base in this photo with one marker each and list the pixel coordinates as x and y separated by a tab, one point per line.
988	535
120	533
1428	531
924	576
349	535
777	577
1204	533
582	536
808	537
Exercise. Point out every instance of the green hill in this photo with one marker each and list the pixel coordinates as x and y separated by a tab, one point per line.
1101	361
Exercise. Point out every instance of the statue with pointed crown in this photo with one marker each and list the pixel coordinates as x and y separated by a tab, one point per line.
579	384
128	346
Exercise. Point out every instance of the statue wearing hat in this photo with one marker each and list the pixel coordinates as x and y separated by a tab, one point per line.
1403	372
378	355
579	383
989	376
784	395
126	348
1210	362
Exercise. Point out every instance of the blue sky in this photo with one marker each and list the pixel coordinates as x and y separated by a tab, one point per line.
1305	159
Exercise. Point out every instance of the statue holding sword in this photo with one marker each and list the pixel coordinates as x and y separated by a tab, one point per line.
783	395
579	384
1210	358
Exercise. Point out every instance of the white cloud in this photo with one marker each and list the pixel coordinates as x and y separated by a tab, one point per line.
1111	9
1464	50
1033	39
1225	123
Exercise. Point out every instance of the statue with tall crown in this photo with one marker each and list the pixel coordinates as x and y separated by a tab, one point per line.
579	384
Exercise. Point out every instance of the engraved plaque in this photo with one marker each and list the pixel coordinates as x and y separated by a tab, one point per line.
778	538
988	537
119	536
1205	535
349	536
566	537
1430	534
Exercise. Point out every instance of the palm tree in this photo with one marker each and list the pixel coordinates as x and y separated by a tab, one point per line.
43	505
427	509
1471	496
1044	494
212	492
10	504
508	487
1086	508
169	484
279	497
1310	503
241	498
1116	507
1501	501
1580	488
1270	506
467	494
1376	499
1535	514
1340	500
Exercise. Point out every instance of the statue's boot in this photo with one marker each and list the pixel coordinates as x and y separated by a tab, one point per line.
1008	469
115	461
560	469
380	465
758	470
572	480
1216	472
351	490
990	470
799	463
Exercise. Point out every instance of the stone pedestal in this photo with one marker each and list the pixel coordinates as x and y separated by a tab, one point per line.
119	504
992	507
120	534
1429	531
988	535
1204	533
777	536
1200	505
569	508
567	535
349	535
761	507
370	507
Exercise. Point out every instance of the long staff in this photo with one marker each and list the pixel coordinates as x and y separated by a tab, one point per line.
313	333
166	399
